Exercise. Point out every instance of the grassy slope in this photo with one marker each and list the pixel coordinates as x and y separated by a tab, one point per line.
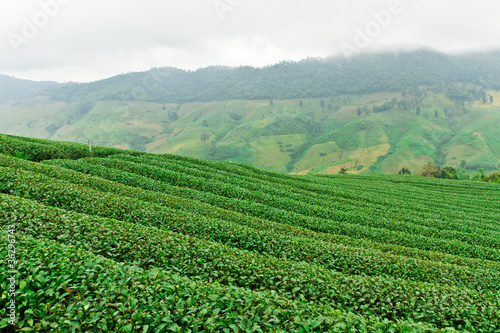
283	137
273	252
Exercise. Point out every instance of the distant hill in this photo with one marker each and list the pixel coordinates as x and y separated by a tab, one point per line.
368	133
287	80
370	114
14	89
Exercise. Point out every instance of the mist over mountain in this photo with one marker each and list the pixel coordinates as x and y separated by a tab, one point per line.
374	113
314	77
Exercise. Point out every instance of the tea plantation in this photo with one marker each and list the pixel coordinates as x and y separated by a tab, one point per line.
123	241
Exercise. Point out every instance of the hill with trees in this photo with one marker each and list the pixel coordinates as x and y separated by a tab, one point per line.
375	113
310	78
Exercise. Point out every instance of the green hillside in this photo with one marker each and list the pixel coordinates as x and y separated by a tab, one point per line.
448	126
373	113
126	241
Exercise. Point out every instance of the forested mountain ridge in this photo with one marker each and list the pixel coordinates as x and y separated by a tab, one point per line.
310	78
368	114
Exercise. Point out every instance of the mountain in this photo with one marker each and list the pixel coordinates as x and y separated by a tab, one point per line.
217	246
15	89
370	114
318	135
310	78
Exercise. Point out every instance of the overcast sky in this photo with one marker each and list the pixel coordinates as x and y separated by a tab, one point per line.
86	40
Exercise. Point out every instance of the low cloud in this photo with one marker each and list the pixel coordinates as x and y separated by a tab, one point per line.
90	40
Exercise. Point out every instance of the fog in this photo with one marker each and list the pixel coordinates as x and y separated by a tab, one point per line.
72	40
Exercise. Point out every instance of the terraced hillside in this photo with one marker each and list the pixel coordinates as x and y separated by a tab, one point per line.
124	241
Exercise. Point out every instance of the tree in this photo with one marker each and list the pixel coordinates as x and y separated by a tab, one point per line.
436	114
485	98
491	99
271	102
419	109
164	107
343	171
434	171
173	116
493	177
322	103
358	111
386	106
301	104
204	137
330	106
431	170
404	171
464	175
204	123
449	173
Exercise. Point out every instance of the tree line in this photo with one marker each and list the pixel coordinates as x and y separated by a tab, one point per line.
314	77
435	171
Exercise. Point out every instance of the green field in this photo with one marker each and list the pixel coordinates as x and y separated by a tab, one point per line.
308	136
125	241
